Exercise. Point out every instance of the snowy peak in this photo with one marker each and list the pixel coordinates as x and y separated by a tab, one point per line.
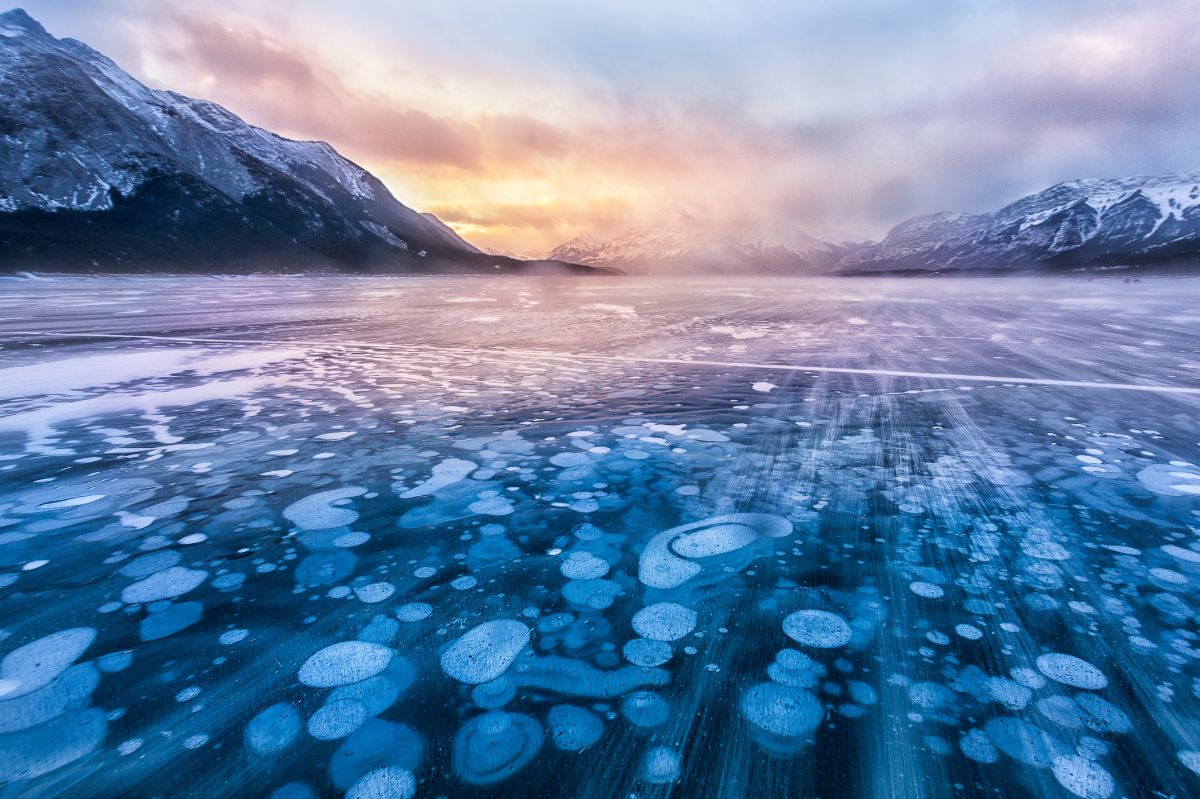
19	23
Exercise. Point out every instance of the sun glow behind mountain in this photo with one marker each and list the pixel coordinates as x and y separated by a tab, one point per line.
526	125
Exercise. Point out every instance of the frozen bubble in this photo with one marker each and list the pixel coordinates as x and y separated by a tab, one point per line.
583	566
573	728
817	628
1022	741
384	783
414	611
495	694
150	563
660	766
336	719
1100	715
464	583
115	661
343	663
319	511
50	746
930	695
376	744
663	562
645	709
325	568
494	746
1044	549
781	710
793	667
231	581
293	790
659	567
70	691
1073	671
486	651
39	663
927	590
644	652
491	506
1028	677
1009	693
166	584
72	502
862	693
597	594
1083	777
968	631
446	473
1061	710
233	636
1189	555
380	692
274	729
1170	480
664	621
170	620
568	459
374	592
348	540
718	539
340	435
977	747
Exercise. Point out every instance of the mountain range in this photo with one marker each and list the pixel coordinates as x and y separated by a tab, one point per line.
98	171
1081	224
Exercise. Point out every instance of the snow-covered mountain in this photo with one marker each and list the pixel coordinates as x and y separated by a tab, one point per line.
682	242
99	171
1081	223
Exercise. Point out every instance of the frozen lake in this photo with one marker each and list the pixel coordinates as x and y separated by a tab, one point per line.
295	537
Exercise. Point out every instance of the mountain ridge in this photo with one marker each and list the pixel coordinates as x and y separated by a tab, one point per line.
1088	223
98	171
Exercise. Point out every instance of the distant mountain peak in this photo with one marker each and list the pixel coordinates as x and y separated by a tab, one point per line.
17	22
680	240
1083	223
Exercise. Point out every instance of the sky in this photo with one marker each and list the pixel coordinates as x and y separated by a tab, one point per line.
524	124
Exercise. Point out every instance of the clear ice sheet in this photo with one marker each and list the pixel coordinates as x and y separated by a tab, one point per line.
301	537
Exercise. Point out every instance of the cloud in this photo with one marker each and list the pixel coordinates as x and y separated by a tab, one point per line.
282	86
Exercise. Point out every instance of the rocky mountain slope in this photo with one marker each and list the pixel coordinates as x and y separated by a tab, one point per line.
97	171
1136	221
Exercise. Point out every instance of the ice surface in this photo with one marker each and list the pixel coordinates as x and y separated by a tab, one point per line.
333	537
